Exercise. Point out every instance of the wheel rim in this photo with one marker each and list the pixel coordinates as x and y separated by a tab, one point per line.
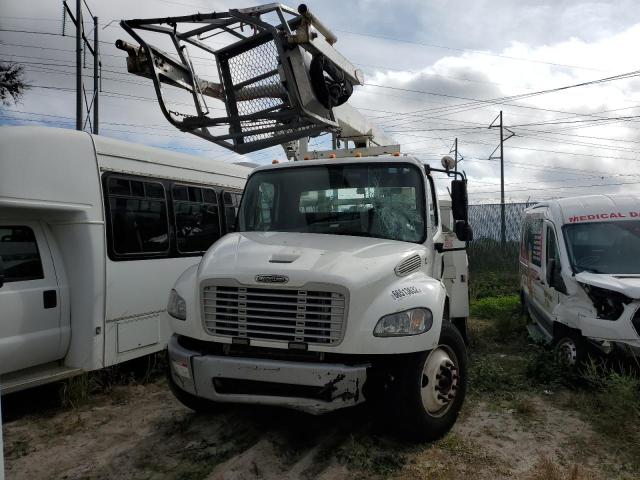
567	352
440	381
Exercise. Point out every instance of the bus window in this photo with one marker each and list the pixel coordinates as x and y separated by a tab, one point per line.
197	219
138	214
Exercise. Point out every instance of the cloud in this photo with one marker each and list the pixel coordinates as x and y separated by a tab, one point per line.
467	49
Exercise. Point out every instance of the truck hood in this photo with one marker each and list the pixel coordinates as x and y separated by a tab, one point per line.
628	285
329	257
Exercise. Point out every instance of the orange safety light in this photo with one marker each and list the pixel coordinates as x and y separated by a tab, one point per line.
307	157
396	154
358	154
274	162
332	155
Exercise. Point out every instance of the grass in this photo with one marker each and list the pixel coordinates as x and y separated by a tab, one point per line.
371	454
546	469
492	283
507	369
77	391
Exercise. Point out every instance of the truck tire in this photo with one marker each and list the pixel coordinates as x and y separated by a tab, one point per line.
572	350
432	388
197	404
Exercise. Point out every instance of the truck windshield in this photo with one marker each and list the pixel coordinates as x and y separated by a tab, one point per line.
372	200
604	247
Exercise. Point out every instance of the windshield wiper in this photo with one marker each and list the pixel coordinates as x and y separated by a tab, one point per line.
353	233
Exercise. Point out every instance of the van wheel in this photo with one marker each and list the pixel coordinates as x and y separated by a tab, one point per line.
571	350
432	388
197	404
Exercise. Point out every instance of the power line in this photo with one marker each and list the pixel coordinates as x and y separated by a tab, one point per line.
480	52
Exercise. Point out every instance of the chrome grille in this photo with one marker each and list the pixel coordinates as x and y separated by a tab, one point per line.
311	316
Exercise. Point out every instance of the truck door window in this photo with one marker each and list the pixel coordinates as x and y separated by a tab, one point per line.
197	219
433	213
19	254
552	247
138	214
263	216
231	202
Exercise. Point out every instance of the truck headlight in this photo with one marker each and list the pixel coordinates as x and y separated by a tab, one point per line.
177	307
409	322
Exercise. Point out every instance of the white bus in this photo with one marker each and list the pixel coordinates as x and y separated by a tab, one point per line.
93	234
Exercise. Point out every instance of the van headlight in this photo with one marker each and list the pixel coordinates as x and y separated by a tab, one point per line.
409	322
177	307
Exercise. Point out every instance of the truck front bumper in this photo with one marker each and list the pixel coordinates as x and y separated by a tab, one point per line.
308	386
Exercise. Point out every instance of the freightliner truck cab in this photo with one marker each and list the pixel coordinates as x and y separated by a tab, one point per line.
331	291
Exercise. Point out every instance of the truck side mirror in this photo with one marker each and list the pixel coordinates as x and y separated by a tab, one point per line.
463	230
459	202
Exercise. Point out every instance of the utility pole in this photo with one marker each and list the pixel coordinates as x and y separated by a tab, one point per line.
83	42
503	231
96	86
454	150
79	34
455	154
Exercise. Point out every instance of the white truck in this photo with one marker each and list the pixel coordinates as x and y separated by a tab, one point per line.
580	274
93	232
340	283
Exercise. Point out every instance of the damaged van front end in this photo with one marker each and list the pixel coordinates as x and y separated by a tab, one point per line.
614	319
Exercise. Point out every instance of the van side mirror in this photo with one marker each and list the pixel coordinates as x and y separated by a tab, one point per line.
551	267
459	201
553	277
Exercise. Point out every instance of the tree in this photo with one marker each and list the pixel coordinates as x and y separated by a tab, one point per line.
12	83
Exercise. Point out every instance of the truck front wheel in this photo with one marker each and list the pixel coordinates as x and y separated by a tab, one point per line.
433	386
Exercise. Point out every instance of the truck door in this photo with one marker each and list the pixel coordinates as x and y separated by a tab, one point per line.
553	286
30	330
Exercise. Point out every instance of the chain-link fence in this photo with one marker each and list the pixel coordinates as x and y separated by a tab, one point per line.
493	264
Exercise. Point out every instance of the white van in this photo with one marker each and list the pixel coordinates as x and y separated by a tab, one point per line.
93	233
580	273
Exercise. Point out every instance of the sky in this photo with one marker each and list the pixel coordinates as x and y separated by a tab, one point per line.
434	71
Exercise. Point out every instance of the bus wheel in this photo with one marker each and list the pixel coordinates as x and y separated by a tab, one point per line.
432	388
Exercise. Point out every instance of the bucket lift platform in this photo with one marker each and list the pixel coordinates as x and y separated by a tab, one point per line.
278	75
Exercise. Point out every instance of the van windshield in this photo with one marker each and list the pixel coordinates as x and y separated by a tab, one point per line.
604	247
372	200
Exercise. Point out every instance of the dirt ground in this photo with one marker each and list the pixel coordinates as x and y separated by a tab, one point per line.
142	432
